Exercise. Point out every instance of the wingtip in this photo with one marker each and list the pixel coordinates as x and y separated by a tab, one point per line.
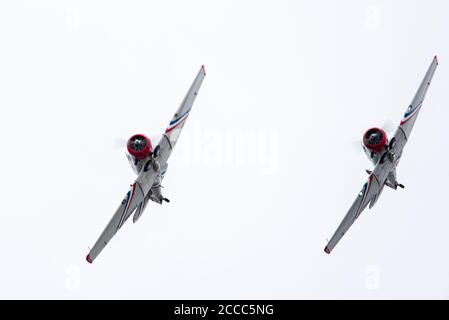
89	258
436	58
327	250
204	69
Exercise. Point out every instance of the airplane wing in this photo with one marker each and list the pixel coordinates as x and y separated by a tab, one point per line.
170	137
369	193
133	198
407	122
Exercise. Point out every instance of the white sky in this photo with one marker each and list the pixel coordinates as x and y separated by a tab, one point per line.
265	168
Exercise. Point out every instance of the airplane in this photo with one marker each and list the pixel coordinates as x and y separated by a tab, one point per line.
150	165
385	156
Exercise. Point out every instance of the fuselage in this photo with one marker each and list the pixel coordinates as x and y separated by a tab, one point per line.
384	155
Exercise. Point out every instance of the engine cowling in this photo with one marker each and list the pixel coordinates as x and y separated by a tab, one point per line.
375	140
139	146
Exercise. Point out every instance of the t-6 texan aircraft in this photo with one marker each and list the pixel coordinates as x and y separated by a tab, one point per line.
385	156
150	166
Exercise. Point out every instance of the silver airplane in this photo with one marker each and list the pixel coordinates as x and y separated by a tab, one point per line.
150	165
385	156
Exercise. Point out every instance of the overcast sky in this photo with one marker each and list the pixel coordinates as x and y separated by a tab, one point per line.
265	168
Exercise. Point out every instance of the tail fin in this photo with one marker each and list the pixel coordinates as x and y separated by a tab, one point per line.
140	208
376	197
